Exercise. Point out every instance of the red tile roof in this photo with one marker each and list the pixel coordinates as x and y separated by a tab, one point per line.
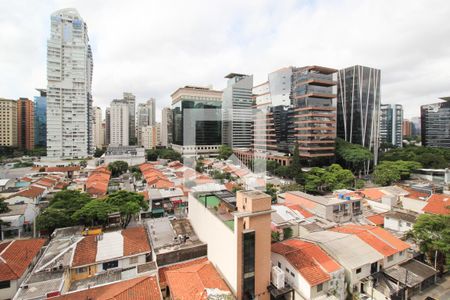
373	194
162	271
191	282
97	182
301	210
16	256
438	204
62	169
31	192
376	219
379	239
308	259
135	241
415	194
141	288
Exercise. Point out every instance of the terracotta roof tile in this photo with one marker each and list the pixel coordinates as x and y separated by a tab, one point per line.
85	252
141	288
16	256
98	181
191	282
376	219
301	210
308	259
31	192
373	194
62	169
135	241
438	204
162	271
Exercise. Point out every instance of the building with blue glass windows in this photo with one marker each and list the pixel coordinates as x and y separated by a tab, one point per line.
40	119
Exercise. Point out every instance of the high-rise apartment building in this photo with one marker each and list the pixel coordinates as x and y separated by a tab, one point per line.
358	107
107	126
69	75
436	124
417	126
151	136
237	113
391	124
408	128
166	127
145	116
8	122
40	119
25	124
196	120
131	100
99	136
119	123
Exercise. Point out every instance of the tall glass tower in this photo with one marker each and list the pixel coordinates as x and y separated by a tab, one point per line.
40	119
69	98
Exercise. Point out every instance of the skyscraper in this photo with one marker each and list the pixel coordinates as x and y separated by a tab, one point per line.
99	138
358	107
391	124
151	136
8	122
25	124
107	126
197	113
237	113
69	75
119	123
408	128
436	124
166	127
145	116
131	100
40	119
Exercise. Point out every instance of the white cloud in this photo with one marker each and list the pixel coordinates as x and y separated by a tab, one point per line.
151	48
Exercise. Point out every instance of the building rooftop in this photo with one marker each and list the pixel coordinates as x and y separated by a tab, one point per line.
310	260
317	199
405	216
438	204
16	257
411	272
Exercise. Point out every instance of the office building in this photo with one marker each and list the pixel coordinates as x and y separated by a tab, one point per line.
145	116
358	107
8	122
166	127
69	98
435	125
151	136
196	120
417	126
40	119
131	100
119	123
276	90
99	136
25	124
237	113
391	124
242	253
107	126
408	128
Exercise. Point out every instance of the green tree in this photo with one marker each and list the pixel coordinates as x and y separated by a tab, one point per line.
70	201
83	163
432	234
98	152
353	156
225	152
287	233
52	218
128	204
275	236
283	171
3	209
291	187
433	161
118	167
152	155
94	213
388	172
272	191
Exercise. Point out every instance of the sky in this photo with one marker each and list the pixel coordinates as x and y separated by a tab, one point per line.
151	48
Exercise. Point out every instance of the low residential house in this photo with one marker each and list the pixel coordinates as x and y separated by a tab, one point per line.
376	219
46	183
6	184
333	209
17	258
288	217
309	270
438	204
400	221
142	288
98	181
132	155
161	201
68	171
195	280
18	220
33	192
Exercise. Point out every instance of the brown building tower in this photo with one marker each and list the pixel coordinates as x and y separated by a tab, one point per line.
25	124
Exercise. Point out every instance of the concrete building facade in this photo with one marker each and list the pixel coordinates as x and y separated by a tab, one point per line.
25	124
166	127
99	136
119	123
8	122
69	98
391	124
435	127
151	136
145	116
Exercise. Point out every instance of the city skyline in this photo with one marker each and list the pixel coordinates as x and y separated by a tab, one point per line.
237	42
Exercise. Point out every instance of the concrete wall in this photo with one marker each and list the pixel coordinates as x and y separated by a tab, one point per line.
397	258
221	240
124	263
397	225
413	204
9	292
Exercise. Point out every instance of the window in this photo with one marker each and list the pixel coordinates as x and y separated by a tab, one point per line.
82	270
287	270
391	258
5	284
320	287
110	265
358	270
292	274
133	260
401	253
279	265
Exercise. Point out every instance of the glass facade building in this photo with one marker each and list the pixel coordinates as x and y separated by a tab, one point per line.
40	119
435	127
391	124
358	107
